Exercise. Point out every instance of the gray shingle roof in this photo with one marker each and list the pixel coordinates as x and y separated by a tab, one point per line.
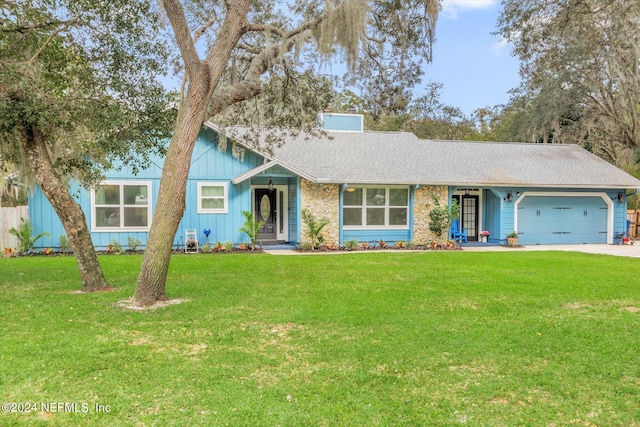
402	158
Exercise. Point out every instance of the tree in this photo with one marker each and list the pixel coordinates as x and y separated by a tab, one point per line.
314	227
248	43
502	122
441	217
431	119
77	91
580	73
251	227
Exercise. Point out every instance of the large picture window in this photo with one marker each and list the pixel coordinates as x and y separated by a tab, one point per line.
375	207
212	197
121	206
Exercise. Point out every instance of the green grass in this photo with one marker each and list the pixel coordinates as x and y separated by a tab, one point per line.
428	338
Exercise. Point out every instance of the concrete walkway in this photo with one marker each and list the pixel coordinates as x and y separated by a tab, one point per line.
615	250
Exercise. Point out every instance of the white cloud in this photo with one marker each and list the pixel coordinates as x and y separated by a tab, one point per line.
500	46
452	8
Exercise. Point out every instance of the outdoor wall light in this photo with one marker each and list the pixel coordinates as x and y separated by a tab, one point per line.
620	197
270	185
510	196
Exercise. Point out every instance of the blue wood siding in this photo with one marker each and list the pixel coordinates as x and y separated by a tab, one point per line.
44	219
294	217
491	215
342	122
208	165
389	236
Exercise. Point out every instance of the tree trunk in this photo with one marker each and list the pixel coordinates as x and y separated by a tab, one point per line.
203	78
170	205
69	212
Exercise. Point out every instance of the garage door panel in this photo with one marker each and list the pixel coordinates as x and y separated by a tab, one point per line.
562	220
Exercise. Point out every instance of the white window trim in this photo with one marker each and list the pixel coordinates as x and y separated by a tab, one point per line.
121	184
225	197
386	207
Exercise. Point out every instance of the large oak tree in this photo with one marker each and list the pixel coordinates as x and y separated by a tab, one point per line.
78	91
580	69
231	51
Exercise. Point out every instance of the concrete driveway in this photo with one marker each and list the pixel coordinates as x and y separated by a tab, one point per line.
616	250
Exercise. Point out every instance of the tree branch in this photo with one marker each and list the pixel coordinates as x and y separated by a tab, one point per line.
251	85
264	29
176	16
67	24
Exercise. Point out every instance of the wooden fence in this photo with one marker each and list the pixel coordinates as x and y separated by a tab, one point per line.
10	218
634	223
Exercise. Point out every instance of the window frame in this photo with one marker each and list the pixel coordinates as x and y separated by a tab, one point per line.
224	198
364	207
121	206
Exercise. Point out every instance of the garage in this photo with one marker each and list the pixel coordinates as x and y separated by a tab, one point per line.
566	219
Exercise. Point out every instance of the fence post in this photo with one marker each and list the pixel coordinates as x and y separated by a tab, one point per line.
634	221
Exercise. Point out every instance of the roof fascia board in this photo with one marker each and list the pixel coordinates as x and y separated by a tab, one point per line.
474	184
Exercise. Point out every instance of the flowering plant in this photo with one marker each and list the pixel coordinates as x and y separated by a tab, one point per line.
9	250
485	233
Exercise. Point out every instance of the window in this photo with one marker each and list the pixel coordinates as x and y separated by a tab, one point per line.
121	206
212	197
375	207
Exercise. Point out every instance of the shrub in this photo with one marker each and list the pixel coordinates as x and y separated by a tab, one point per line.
25	236
251	227
65	244
314	227
133	243
306	246
441	218
206	248
351	245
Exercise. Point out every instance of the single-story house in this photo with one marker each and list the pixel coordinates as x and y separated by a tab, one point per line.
371	185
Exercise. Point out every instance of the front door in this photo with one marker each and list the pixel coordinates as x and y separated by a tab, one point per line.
469	215
265	211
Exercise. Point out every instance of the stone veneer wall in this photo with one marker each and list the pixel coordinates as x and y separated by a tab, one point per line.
422	203
323	201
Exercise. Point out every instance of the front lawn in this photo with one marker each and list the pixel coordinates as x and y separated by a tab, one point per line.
427	338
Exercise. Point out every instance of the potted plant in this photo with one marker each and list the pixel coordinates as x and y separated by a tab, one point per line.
512	239
484	235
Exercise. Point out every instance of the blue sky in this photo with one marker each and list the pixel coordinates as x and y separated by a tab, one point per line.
476	69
